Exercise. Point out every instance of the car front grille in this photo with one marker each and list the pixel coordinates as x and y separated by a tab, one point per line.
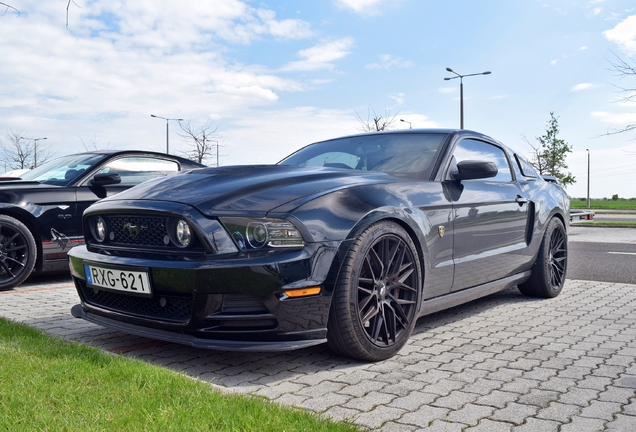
165	308
138	230
132	233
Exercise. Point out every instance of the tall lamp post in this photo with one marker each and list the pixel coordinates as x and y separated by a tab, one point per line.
461	91
405	121
35	149
167	129
588	178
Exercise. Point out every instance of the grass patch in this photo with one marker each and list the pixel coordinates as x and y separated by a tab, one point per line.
608	223
621	204
50	384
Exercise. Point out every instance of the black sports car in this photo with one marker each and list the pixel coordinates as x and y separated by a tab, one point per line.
41	211
346	241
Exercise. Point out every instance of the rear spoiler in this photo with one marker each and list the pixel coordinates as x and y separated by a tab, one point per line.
551	179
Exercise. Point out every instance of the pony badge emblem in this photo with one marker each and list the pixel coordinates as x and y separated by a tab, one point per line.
441	230
134	230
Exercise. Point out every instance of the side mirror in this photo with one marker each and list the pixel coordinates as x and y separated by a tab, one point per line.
472	170
105	179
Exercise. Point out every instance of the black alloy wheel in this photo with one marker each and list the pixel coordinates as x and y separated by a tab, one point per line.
375	304
550	268
17	252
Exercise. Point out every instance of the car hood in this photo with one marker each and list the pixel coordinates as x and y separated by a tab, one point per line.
251	190
16	183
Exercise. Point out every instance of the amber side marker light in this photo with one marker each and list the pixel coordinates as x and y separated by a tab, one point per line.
303	292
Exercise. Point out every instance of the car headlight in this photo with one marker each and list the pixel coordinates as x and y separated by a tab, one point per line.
183	233
180	233
98	227
258	233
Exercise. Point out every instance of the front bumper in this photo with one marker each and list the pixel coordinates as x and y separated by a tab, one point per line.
226	303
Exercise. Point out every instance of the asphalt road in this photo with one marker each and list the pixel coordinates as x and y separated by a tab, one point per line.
602	254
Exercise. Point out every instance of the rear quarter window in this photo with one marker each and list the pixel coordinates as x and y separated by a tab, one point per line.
527	170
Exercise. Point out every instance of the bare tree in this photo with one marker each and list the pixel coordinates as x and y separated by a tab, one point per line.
375	122
93	144
7	7
23	153
624	70
535	155
202	140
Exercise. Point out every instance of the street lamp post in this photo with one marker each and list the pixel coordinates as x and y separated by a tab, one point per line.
35	149
588	178
405	121
461	91
167	129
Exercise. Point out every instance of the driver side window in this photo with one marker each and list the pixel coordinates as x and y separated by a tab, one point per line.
470	149
135	170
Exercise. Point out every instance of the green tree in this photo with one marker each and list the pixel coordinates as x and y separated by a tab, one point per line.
549	156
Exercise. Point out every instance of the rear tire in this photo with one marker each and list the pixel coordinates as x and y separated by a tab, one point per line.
375	302
17	252
549	270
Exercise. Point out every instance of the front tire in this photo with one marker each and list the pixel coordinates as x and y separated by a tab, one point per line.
375	302
549	270
17	252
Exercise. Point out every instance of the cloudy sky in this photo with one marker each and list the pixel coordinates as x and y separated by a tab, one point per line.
274	75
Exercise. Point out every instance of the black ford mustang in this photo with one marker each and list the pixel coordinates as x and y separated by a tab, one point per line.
346	241
41	211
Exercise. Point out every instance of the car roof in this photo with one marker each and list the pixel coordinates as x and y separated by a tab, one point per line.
448	131
181	159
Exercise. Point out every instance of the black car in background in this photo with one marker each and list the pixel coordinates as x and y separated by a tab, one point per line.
346	241
41	211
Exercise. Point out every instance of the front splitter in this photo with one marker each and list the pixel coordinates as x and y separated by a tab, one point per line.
185	339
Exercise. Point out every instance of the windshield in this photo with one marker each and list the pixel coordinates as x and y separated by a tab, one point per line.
402	155
64	170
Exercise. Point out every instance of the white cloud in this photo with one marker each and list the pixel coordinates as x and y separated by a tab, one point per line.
120	61
597	11
582	86
258	137
388	62
365	7
583	48
554	62
164	24
615	119
416	121
447	89
321	56
399	98
624	34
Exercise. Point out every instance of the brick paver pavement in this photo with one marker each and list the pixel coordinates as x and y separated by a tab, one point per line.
502	363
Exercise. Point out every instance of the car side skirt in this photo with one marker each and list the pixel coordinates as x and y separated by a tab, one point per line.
460	297
186	339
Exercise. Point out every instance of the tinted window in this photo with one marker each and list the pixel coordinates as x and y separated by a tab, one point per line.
525	167
135	170
63	170
469	149
397	154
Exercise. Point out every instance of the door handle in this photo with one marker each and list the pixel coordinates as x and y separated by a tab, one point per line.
521	200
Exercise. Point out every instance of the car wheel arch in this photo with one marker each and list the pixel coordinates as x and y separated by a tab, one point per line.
30	222
398	216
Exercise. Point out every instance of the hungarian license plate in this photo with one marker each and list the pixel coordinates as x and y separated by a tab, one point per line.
118	279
